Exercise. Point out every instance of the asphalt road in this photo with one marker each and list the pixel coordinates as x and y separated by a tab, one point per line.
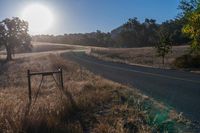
178	89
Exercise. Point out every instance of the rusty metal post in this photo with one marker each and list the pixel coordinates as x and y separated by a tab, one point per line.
48	73
29	85
61	78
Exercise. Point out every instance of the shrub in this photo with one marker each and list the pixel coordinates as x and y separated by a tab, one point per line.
187	61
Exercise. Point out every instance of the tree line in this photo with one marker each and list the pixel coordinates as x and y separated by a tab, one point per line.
137	34
131	34
97	38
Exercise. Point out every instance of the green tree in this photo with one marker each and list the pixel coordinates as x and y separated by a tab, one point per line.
192	29
174	27
191	10
163	47
188	6
14	34
137	34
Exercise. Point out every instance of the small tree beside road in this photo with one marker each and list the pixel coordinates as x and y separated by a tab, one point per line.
163	47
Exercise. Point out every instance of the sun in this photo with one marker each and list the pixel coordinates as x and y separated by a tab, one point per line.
39	17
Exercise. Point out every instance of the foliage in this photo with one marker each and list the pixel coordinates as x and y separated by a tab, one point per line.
192	28
191	10
136	34
131	34
97	38
173	28
14	34
187	61
188	6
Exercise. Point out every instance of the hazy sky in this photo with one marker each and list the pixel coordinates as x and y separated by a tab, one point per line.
74	16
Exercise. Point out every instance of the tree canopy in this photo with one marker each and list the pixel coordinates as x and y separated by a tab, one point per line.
137	34
14	35
97	38
191	10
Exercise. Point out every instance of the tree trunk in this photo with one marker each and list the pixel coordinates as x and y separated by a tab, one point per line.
9	53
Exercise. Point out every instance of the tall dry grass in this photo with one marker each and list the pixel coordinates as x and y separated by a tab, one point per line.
142	56
88	103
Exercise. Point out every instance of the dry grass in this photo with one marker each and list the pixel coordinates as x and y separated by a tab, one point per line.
87	104
142	56
41	47
45	47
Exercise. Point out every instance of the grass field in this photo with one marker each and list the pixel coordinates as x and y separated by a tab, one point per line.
88	103
46	47
141	56
41	47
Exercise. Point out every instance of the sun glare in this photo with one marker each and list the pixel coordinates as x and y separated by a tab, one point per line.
39	17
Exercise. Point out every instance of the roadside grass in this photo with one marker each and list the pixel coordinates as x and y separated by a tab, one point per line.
88	103
43	47
187	62
142	56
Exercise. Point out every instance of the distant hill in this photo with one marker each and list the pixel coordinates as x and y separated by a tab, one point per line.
116	32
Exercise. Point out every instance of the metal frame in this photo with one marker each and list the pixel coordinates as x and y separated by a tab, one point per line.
50	73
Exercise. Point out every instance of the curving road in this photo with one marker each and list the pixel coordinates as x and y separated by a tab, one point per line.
178	89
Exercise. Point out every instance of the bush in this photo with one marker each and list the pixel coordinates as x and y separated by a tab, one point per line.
187	61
